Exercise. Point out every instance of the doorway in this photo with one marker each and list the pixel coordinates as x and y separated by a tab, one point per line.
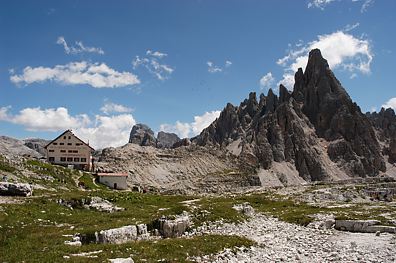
115	185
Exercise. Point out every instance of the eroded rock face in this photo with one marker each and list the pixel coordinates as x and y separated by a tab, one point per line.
312	127
335	117
142	135
166	139
385	124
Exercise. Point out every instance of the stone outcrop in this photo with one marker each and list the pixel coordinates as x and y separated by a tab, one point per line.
122	235
142	135
173	227
15	189
166	139
102	205
363	226
312	127
182	142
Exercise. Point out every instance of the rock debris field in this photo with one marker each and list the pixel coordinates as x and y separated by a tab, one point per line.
278	241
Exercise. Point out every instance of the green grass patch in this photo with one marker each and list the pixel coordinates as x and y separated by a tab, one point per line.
32	231
5	166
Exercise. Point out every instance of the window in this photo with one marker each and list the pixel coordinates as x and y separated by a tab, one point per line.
51	151
75	151
69	137
69	143
78	144
83	160
69	159
64	137
76	160
70	151
55	143
61	143
63	159
62	151
51	159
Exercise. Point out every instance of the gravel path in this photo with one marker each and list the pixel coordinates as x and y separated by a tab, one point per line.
279	241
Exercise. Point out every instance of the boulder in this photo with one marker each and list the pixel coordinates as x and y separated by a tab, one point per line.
121	260
117	235
244	208
174	227
142	135
15	189
102	205
166	139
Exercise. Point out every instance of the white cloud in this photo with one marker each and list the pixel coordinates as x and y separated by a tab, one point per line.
152	62
79	48
37	119
342	50
4	113
321	4
104	131
212	68
267	81
390	104
185	129
75	73
110	107
107	131
156	54
182	129
366	5
350	27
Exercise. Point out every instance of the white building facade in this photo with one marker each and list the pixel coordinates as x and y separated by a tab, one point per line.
114	180
67	149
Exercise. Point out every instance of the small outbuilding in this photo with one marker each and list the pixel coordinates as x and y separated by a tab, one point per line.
113	180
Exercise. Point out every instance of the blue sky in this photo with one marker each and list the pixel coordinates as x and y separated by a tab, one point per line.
98	67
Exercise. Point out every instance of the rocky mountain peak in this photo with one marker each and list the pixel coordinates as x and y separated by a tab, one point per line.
142	134
288	128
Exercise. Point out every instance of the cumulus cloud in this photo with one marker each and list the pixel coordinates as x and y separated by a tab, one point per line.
110	107
322	4
97	75
342	50
107	131
153	63
212	68
389	104
78	48
37	119
190	129
267	81
102	131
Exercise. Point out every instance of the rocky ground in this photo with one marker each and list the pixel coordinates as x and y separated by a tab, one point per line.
279	241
